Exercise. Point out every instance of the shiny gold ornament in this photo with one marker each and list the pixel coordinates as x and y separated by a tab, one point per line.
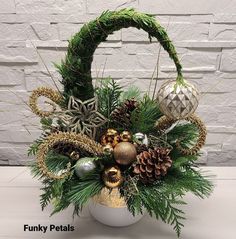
112	177
111	132
125	153
126	136
178	100
164	123
111	137
74	155
108	149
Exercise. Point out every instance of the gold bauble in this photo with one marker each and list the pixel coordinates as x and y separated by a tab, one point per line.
108	149
125	153
178	100
74	155
126	136
111	137
112	177
111	132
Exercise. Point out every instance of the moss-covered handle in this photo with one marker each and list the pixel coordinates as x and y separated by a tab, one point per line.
76	68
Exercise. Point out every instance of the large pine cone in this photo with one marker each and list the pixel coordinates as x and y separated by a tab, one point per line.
152	164
122	114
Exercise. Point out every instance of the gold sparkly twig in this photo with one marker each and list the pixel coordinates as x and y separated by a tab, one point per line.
77	140
51	94
164	123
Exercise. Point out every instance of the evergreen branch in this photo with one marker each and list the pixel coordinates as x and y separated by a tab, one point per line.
132	92
76	68
146	115
84	189
108	96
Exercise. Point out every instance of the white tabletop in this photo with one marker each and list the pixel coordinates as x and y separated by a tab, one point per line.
213	218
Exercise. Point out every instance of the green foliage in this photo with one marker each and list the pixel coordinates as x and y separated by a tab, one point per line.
132	92
76	68
33	149
61	193
85	188
162	198
187	133
46	123
144	118
108	94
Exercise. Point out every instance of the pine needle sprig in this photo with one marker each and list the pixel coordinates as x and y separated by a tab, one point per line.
144	118
108	96
85	188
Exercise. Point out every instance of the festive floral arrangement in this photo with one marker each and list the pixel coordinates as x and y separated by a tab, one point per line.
108	137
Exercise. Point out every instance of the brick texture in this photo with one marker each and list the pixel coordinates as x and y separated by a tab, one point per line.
35	33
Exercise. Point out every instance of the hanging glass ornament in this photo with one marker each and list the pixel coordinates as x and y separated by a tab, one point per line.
178	100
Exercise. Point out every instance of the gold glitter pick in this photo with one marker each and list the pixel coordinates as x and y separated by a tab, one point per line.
51	94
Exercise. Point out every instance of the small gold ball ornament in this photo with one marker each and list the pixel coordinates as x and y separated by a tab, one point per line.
108	149
125	153
178	100
74	155
111	137
126	136
112	177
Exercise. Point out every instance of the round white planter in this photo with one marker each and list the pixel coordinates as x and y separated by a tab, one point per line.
114	217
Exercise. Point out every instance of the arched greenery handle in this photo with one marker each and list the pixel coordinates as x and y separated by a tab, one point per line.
76	68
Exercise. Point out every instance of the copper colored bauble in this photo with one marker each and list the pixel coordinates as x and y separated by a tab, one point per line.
125	153
178	100
108	149
111	137
126	136
112	177
74	155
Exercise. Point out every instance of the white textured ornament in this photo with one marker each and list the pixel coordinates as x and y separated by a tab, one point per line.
178	101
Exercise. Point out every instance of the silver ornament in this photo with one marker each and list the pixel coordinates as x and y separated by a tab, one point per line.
141	138
178	100
84	166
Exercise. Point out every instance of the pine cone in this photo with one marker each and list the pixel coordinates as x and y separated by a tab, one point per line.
152	164
122	114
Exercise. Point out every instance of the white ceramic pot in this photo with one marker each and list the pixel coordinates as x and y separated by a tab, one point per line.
110	209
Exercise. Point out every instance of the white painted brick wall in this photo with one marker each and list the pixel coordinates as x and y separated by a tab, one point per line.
204	33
